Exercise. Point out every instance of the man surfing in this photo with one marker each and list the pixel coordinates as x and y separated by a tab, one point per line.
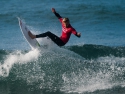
67	30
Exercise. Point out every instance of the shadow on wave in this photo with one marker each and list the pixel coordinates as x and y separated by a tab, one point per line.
91	51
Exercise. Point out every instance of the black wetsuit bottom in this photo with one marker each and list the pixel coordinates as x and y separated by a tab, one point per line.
53	37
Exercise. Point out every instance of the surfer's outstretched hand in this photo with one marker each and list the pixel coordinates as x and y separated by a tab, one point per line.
53	10
31	35
78	34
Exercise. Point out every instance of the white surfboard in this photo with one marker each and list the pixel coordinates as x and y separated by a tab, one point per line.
32	42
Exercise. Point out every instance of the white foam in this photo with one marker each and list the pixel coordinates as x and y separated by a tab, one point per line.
17	57
88	80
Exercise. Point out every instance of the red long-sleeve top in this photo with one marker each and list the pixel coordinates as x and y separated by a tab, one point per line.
66	31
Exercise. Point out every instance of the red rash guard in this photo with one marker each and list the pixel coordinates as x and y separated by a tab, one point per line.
66	32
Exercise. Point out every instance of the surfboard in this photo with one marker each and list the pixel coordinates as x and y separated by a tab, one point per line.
32	42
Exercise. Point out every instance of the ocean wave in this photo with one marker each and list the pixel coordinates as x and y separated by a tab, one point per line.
60	70
90	51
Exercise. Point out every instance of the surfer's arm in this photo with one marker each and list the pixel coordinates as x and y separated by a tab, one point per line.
56	14
76	33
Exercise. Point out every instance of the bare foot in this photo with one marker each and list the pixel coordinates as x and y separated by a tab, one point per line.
31	35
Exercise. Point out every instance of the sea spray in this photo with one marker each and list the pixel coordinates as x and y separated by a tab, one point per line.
17	57
96	74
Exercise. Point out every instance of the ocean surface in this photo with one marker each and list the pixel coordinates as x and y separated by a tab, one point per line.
92	64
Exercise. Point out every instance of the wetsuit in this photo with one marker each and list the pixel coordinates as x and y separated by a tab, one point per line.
66	32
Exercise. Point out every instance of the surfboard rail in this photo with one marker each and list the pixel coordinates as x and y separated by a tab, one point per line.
24	29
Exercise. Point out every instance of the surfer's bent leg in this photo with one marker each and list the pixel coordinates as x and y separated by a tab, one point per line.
53	37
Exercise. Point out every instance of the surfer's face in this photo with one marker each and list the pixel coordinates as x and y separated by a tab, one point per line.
66	23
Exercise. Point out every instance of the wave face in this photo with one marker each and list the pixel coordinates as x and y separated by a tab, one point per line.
89	51
86	69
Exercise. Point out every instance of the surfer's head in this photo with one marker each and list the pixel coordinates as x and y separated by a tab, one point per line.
66	22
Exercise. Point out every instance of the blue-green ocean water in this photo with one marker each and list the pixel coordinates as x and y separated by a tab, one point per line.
92	64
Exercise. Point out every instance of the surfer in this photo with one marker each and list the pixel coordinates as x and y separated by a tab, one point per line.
67	30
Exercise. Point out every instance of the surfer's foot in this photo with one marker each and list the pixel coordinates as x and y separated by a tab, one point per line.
31	35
